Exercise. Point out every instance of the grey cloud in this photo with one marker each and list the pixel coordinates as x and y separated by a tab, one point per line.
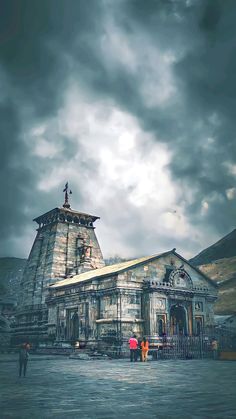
35	39
205	75
208	80
44	44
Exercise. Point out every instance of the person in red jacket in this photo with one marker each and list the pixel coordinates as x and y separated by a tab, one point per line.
133	346
144	347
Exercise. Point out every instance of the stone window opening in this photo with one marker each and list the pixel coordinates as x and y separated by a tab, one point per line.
198	306
134	299
88	251
84	251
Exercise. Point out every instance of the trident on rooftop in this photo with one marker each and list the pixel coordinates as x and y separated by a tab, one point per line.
66	189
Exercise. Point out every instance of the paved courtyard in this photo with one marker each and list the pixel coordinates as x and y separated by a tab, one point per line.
57	387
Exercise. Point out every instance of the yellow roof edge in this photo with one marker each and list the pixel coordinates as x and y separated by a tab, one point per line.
106	270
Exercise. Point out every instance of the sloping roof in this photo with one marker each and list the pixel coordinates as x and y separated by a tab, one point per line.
119	267
65	210
106	270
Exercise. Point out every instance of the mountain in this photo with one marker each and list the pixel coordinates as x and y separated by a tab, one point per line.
219	263
11	271
223	271
224	248
114	259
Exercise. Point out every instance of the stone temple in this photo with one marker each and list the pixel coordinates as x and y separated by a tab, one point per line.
68	294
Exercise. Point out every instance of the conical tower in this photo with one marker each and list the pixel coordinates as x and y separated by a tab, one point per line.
65	245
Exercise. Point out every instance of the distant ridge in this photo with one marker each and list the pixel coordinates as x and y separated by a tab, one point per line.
219	263
224	248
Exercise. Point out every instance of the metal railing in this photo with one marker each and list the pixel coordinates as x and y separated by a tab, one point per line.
195	347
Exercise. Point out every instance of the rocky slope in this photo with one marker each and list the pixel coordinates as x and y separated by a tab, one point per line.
224	248
223	271
219	263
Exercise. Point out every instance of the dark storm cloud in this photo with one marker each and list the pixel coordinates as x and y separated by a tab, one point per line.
12	177
35	40
45	44
203	33
208	81
200	126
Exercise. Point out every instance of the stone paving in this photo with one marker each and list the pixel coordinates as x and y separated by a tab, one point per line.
69	388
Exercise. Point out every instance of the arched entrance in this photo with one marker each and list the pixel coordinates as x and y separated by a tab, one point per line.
178	321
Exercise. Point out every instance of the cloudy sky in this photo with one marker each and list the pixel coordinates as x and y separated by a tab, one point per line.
133	102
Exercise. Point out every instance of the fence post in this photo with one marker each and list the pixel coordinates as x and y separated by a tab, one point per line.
201	344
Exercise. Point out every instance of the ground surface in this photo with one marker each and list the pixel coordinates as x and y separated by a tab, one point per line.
69	388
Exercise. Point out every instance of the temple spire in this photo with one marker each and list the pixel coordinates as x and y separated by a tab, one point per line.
66	189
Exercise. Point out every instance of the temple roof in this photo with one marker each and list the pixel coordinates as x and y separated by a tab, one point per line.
119	267
106	270
67	211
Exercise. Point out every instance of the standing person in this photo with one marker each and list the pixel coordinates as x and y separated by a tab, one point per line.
23	358
133	346
139	350
214	347
145	347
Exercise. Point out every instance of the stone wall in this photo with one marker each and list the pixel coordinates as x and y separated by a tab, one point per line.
65	245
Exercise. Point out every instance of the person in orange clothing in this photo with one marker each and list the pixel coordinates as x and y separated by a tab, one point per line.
144	347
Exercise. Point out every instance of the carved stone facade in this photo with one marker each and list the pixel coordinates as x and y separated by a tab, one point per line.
65	245
148	296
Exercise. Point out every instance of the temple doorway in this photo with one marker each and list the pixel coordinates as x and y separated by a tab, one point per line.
199	325
72	324
160	325
178	323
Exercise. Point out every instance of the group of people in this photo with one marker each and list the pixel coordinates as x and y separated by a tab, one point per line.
140	348
137	348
